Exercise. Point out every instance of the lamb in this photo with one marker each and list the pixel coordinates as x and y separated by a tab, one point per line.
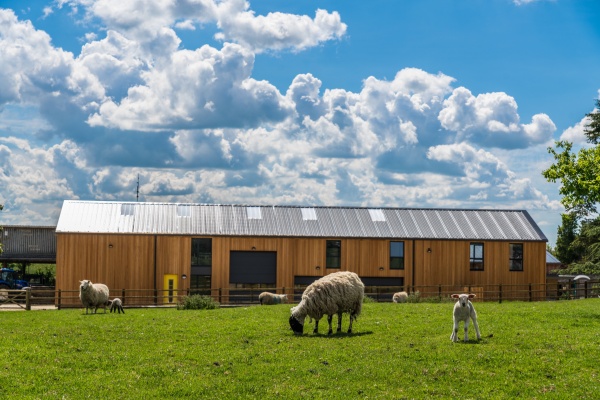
267	298
93	295
463	311
116	305
336	293
400	297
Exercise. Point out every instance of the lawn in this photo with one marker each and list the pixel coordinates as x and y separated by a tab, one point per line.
543	350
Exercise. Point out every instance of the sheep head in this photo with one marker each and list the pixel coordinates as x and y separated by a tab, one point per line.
463	299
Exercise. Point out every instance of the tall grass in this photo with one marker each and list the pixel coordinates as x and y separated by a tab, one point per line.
547	350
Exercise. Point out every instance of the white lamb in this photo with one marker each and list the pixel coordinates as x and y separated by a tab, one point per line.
93	295
464	311
336	293
116	305
267	298
400	297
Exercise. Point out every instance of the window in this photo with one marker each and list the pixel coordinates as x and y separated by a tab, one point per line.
476	256
515	256
202	252
396	255
333	254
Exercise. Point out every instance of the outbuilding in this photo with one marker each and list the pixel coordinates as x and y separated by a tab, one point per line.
169	247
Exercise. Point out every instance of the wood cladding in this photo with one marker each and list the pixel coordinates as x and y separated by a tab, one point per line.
141	261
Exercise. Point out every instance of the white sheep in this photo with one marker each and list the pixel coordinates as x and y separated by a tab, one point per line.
463	311
116	305
336	293
400	297
267	298
93	295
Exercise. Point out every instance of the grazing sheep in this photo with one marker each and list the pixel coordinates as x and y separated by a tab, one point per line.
400	297
93	295
116	305
336	293
267	298
463	311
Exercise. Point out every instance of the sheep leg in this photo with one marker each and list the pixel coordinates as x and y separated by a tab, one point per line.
474	318
329	319
339	328
454	336
352	318
467	329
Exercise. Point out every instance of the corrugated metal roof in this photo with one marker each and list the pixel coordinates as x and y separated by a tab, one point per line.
292	221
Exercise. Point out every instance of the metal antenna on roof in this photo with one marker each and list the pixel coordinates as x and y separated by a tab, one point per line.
137	189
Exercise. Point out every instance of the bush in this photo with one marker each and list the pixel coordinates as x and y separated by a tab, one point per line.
367	299
197	302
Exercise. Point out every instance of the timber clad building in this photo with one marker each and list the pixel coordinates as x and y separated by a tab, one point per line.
165	246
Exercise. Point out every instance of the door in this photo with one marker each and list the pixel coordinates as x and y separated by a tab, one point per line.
170	289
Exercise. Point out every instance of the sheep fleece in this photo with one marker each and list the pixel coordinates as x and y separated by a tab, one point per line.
93	295
337	292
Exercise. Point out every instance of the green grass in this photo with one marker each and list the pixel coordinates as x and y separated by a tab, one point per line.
544	350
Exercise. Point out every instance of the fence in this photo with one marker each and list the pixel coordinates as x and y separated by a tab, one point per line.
25	299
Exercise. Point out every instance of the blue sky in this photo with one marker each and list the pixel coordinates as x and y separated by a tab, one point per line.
425	103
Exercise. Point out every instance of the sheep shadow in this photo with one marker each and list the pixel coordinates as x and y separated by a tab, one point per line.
341	335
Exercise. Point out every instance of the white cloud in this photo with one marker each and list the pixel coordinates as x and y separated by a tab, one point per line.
492	120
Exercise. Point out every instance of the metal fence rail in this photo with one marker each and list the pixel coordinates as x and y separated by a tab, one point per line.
24	299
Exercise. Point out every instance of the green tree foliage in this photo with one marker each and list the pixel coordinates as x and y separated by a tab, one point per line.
567	233
592	129
579	174
587	246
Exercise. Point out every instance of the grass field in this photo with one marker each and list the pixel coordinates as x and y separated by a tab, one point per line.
544	350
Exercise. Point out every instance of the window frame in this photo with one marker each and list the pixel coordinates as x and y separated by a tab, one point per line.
197	256
518	259
328	256
474	261
394	257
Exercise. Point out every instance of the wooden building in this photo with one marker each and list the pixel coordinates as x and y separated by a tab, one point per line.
27	244
160	246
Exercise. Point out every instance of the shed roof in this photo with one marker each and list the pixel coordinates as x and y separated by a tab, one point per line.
295	221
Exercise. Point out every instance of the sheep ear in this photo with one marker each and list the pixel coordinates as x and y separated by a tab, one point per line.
455	296
471	295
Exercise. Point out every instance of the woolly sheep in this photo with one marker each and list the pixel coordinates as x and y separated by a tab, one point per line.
463	311
336	293
267	298
116	305
400	297
93	295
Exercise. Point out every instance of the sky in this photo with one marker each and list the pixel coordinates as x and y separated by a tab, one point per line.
380	103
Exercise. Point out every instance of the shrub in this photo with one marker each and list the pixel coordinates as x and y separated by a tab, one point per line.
197	302
367	299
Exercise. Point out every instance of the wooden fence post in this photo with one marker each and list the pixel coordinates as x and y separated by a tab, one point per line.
123	296
28	299
530	294
59	298
500	293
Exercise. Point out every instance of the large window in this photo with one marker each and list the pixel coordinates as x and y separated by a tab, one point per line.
202	252
396	255
200	279
515	256
476	256
334	254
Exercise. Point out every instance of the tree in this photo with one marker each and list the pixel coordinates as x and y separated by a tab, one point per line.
579	174
587	245
592	130
567	233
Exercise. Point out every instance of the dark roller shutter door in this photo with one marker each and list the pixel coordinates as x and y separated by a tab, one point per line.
253	267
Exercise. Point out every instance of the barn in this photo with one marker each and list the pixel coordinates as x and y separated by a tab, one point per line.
222	249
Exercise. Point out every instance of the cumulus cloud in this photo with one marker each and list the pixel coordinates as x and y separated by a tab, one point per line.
195	126
492	120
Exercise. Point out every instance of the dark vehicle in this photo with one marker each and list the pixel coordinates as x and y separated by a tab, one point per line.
8	279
